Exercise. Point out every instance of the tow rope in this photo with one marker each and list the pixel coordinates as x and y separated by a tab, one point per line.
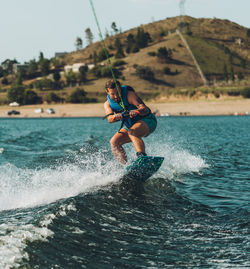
107	56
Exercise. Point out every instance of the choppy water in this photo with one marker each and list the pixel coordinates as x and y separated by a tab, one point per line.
62	204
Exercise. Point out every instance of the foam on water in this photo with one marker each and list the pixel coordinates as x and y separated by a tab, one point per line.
27	188
177	161
15	235
23	188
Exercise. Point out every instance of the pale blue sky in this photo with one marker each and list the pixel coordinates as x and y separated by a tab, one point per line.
31	26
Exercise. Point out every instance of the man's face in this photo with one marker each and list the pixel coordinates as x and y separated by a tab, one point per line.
113	94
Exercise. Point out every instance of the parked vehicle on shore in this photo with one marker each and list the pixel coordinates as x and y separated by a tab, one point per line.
50	111
13	112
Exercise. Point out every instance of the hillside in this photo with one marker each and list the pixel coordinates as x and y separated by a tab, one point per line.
215	44
220	48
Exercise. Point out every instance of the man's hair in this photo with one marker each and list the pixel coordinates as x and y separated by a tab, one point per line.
111	84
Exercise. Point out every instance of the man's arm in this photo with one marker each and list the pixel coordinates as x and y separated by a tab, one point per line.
108	111
135	100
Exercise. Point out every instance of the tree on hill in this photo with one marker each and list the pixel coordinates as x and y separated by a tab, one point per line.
130	42
82	74
16	94
104	71
77	96
89	36
32	69
144	72
8	65
44	65
5	81
240	76
246	92
232	74
19	80
57	77
57	63
41	57
248	32
225	72
164	54
1	72
114	28
44	84
243	63
142	39
119	49
71	78
95	58
53	97
78	43
31	97
101	56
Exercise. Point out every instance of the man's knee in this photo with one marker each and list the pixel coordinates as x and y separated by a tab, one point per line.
114	142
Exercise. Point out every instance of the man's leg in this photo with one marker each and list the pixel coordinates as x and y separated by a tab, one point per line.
136	132
116	142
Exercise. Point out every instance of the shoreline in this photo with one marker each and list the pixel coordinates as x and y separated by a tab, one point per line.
170	108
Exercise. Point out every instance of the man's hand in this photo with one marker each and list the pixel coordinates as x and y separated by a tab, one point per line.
133	113
117	117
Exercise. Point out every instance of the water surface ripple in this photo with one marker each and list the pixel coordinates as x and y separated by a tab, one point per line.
62	204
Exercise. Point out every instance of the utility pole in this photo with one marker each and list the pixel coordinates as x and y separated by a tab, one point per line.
182	7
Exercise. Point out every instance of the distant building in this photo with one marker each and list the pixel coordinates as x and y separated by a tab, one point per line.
238	41
74	67
60	54
18	67
90	66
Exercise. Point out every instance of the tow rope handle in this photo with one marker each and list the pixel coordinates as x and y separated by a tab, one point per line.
125	114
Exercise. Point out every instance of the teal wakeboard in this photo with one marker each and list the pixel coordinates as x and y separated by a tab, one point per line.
143	168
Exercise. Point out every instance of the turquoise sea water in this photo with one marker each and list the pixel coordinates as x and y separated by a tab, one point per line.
62	204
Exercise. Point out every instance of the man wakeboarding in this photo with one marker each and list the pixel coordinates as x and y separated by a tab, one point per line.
123	104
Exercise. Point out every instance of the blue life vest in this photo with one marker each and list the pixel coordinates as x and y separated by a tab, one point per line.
117	108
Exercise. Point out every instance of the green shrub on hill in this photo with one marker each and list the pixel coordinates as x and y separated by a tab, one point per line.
164	54
144	72
16	94
119	63
44	84
104	71
248	32
1	72
71	78
246	92
5	81
77	96
233	92
152	53
166	70
53	97
31	97
130	41
119	49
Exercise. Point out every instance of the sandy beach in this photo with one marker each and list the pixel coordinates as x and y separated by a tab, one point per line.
174	108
